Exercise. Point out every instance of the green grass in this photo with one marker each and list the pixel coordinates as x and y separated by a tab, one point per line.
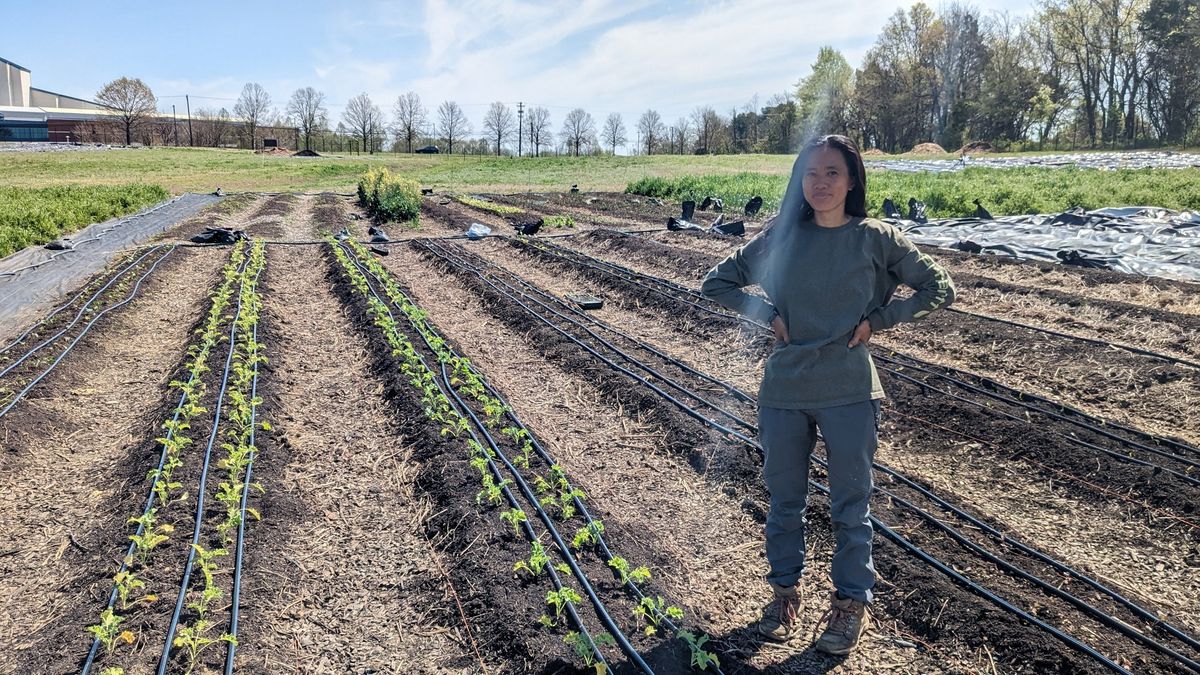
30	217
947	195
203	170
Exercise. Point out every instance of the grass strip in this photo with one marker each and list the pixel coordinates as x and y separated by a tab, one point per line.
34	216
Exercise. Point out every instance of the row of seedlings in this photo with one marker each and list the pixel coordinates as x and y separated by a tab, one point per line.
551	490
197	625
438	406
133	600
153	529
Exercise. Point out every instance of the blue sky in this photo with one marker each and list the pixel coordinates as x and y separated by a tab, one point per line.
603	56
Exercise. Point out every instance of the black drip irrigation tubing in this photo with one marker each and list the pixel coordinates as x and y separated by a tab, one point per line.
65	305
112	597
164	660
1103	343
639	364
78	316
1020	398
86	329
545	456
995	534
1053	415
686	408
241	538
586	260
530	534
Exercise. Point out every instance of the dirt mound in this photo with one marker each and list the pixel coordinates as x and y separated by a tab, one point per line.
928	149
273	151
306	153
873	152
976	147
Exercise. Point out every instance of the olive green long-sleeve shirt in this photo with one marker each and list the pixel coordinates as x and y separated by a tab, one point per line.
824	282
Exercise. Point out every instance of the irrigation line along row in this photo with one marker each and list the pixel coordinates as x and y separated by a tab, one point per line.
974	522
1017	397
606	552
68	303
164	660
78	316
1004	540
1089	421
1070	336
86	329
241	533
530	534
150	498
1078	441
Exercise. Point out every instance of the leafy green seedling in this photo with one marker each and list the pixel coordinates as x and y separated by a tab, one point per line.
588	535
514	517
621	566
537	560
585	649
700	658
559	599
109	632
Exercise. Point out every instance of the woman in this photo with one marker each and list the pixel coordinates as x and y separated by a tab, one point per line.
828	272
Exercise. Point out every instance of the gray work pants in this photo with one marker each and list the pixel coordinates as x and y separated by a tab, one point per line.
851	435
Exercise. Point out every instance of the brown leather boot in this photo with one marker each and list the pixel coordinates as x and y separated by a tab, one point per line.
848	620
778	621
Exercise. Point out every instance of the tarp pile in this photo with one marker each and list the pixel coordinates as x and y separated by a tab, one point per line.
1143	240
1090	160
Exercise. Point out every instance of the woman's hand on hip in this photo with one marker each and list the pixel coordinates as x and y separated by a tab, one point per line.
862	334
780	329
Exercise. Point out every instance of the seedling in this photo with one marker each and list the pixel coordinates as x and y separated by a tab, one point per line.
537	560
588	535
637	575
109	632
193	640
652	611
492	492
152	534
127	582
585	649
559	599
700	659
514	517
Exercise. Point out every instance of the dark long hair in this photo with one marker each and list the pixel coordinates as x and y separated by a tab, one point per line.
796	208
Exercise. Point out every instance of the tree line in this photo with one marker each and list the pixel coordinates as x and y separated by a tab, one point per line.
1075	73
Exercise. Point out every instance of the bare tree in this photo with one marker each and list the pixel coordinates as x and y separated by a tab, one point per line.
578	130
538	129
499	124
614	132
680	134
307	112
132	99
452	123
410	118
364	119
651	127
252	107
709	128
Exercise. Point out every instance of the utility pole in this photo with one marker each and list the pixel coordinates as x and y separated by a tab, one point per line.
520	123
175	125
191	141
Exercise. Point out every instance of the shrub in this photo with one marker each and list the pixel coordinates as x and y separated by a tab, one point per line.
389	196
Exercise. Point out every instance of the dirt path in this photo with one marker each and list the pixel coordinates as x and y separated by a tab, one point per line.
340	577
78	443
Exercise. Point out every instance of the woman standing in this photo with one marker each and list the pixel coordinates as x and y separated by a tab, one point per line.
829	273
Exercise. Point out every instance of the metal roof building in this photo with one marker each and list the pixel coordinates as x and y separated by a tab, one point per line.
31	114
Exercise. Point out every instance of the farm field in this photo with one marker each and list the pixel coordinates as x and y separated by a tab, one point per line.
332	460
